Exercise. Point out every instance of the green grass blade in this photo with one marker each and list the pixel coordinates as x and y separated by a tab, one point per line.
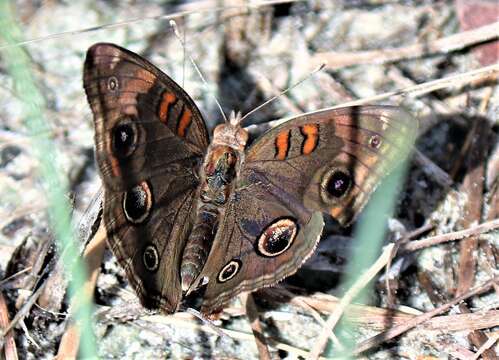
33	105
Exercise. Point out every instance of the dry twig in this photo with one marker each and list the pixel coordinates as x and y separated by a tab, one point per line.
473	186
9	343
23	311
459	41
400	329
183	320
484	73
457	235
256	327
347	299
93	255
478	338
479	75
307	303
380	263
432	169
403	240
487	345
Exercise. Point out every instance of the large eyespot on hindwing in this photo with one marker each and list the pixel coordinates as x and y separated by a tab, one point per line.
150	258
137	203
124	136
277	237
335	184
229	271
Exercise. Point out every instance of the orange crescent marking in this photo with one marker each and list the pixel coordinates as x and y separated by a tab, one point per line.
115	166
335	211
167	100
311	133
282	145
113	161
184	123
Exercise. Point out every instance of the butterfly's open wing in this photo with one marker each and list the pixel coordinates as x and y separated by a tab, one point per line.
150	140
333	160
329	161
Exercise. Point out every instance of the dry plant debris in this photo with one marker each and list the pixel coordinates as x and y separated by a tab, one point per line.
439	295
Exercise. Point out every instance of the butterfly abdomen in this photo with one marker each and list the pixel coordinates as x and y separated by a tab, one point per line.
199	244
218	172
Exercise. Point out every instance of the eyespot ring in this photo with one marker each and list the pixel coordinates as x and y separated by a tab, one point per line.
375	141
335	184
229	270
137	203
150	258
277	237
112	83
124	136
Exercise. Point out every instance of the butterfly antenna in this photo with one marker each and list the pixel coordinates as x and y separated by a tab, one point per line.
173	24
319	68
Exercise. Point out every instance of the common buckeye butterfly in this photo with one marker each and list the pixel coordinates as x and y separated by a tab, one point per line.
183	213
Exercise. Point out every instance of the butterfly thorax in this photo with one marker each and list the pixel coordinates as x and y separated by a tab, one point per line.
220	167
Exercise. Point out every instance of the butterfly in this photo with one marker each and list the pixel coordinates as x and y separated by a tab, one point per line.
185	215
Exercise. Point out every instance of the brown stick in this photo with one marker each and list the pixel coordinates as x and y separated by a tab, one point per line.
478	338
487	346
398	330
336	60
375	318
457	235
487	72
256	327
389	293
360	284
467	264
22	313
93	255
9	345
473	185
462	79
463	322
432	169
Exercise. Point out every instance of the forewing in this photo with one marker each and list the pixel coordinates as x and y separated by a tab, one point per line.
150	140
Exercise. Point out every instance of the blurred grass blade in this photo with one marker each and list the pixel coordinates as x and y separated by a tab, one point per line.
33	106
369	235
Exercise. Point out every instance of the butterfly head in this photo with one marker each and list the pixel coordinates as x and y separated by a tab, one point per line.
231	133
235	118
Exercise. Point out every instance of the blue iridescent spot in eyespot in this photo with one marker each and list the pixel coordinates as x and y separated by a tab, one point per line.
338	184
